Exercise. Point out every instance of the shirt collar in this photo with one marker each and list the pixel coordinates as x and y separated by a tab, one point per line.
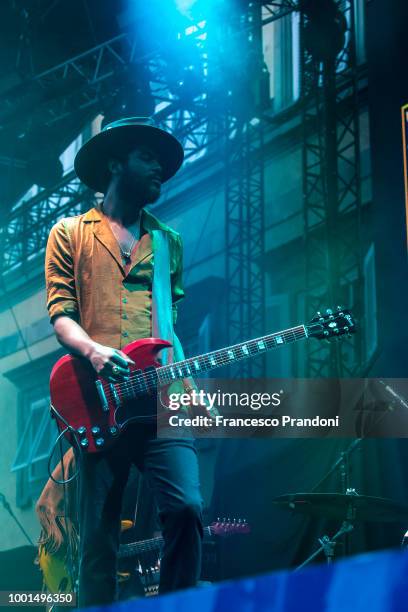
148	221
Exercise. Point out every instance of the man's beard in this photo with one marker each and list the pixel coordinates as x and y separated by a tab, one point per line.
132	190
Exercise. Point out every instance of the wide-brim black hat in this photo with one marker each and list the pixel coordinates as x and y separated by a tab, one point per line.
118	139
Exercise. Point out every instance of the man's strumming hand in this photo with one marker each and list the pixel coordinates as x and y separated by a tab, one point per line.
110	363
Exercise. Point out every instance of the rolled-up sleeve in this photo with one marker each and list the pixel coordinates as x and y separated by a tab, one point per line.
59	275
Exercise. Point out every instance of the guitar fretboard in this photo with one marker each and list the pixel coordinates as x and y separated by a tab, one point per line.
136	548
203	363
142	381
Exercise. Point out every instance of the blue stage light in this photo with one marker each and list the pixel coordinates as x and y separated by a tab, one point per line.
184	6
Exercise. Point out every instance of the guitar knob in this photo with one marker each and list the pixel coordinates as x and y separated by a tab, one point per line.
96	430
84	442
113	430
99	441
81	430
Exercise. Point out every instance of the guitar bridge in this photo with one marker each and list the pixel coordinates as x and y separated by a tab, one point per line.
102	396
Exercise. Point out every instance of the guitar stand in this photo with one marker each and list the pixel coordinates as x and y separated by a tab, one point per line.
328	545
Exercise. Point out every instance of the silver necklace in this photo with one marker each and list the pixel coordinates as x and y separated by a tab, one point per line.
126	253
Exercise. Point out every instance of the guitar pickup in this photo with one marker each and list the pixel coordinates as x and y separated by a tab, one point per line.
102	396
115	395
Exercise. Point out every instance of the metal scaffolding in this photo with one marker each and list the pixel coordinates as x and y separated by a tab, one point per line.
82	82
244	213
245	243
332	196
25	235
331	180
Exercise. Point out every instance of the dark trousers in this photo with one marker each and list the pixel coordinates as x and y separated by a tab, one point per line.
171	469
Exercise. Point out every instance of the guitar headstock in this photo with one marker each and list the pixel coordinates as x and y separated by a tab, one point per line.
331	324
229	526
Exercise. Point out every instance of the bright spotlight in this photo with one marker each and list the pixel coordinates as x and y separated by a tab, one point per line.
184	6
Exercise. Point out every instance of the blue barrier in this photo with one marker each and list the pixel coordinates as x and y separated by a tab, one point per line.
375	582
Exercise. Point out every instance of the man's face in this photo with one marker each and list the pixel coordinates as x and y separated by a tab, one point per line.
140	175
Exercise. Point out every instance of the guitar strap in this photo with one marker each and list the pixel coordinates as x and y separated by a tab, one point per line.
162	316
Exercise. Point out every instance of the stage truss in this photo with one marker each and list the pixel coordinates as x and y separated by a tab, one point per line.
82	82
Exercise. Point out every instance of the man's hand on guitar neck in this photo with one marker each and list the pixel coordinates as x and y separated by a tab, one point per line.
110	363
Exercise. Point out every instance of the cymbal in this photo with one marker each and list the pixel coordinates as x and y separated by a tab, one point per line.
352	507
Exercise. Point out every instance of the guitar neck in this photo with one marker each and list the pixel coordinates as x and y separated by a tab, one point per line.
136	548
225	356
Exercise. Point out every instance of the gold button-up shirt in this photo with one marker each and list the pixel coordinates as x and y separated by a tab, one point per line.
87	280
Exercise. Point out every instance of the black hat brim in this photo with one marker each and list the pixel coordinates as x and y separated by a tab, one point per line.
91	161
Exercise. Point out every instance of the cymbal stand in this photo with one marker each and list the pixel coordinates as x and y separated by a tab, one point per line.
328	544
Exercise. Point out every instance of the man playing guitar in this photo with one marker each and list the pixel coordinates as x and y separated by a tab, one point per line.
99	270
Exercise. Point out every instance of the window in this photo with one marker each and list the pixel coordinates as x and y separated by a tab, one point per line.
68	156
37	434
199	343
359	17
282	57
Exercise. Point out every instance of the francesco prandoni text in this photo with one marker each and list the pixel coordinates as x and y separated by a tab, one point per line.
282	421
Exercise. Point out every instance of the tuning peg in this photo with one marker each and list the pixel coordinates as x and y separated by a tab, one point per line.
339	307
329	311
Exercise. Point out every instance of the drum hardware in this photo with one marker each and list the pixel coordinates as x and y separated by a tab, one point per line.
347	506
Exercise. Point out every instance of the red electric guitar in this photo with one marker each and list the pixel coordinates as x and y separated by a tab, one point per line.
94	411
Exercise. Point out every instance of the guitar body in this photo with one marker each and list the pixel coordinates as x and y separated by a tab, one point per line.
97	417
54	565
54	570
